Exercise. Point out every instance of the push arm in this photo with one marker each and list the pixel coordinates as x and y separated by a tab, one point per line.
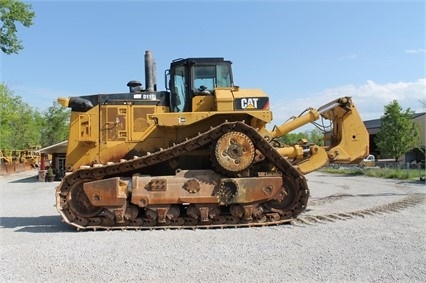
346	142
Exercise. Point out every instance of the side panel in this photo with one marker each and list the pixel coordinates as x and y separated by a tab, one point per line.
250	105
83	141
114	123
108	133
129	130
125	122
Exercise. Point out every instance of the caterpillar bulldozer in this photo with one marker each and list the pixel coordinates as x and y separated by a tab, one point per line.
198	154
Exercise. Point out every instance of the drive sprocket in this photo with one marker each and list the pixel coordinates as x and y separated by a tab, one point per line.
234	151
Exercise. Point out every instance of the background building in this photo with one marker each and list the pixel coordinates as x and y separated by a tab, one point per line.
373	127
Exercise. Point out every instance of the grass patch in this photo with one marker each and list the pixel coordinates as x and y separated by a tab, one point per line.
399	174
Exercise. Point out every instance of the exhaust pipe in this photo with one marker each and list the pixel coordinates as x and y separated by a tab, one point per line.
150	72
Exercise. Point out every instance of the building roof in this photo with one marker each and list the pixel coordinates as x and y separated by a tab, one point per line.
376	123
373	124
418	115
56	148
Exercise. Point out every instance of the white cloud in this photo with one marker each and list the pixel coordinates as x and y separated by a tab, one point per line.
369	98
415	51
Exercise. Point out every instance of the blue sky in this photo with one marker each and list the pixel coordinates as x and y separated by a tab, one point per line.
302	53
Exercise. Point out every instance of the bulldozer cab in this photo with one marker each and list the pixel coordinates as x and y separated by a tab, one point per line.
196	76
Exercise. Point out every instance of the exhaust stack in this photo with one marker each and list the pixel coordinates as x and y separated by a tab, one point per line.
150	72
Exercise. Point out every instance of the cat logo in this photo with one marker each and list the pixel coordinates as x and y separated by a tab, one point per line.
249	103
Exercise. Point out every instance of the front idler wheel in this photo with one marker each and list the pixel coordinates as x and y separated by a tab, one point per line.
79	203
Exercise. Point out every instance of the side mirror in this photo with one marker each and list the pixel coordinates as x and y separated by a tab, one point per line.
167	79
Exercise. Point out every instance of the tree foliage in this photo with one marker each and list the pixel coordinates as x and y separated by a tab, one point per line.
398	132
55	125
291	138
11	13
22	126
315	136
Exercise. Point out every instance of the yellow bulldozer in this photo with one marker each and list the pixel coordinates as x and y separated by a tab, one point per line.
15	161
198	154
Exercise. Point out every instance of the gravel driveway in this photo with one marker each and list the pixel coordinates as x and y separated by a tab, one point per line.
356	229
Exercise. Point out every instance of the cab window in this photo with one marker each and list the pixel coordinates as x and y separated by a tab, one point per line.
179	92
223	76
204	77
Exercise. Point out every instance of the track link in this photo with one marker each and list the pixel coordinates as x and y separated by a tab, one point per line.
294	182
396	206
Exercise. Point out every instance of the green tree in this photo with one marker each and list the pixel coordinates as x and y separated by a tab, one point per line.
291	138
398	132
315	136
20	124
55	125
11	13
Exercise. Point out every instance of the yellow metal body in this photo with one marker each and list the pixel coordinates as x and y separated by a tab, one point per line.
108	133
197	154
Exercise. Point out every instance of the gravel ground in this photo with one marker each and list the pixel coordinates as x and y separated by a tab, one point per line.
384	243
